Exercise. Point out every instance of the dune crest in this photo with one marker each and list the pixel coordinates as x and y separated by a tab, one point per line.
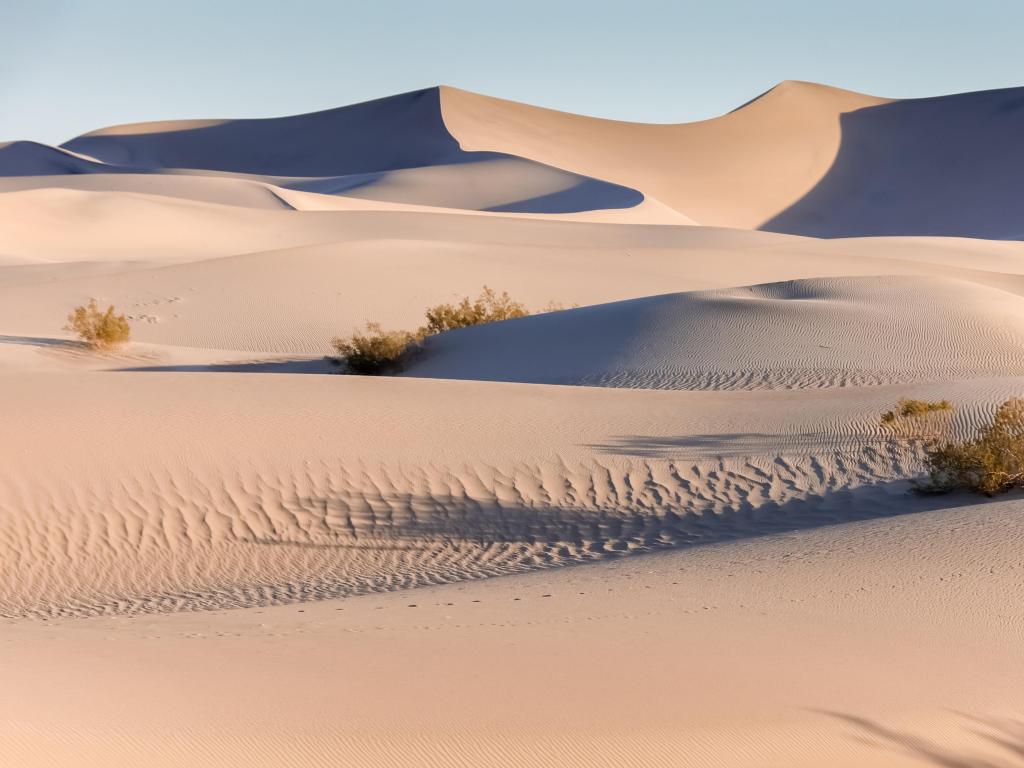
736	170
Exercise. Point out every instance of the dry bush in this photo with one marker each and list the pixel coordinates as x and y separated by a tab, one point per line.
488	307
919	419
100	330
992	462
379	352
909	409
376	351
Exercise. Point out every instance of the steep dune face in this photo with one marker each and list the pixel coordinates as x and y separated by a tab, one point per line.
797	334
952	165
737	170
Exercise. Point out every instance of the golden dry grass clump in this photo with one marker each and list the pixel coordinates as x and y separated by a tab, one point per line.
992	462
907	408
99	329
488	307
377	351
989	463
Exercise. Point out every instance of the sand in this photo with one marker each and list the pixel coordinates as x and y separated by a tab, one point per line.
663	526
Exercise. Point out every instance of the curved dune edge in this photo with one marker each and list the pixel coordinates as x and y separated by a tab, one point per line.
737	170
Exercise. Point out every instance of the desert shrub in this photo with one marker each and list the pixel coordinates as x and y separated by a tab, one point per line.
100	330
379	352
992	462
909	409
488	307
376	351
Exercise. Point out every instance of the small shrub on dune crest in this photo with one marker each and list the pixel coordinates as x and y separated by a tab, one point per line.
378	351
100	330
488	307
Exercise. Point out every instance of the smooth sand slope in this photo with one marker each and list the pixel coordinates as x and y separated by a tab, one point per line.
823	332
216	551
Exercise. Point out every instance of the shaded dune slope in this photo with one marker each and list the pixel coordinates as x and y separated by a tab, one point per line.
952	165
795	334
29	158
404	131
365	150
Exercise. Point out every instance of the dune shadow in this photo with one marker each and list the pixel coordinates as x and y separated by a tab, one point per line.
950	166
563	533
294	365
403	131
29	158
719	444
1004	736
43	341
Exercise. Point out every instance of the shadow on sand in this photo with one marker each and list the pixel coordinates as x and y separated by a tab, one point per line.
295	365
43	341
1002	738
723	444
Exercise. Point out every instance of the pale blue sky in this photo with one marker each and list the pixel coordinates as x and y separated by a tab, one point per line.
67	66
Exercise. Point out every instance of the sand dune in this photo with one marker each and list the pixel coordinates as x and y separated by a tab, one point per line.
395	149
796	334
200	286
802	158
495	183
738	170
760	585
331	493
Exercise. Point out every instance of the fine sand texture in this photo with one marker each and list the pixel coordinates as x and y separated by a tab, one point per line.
657	522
